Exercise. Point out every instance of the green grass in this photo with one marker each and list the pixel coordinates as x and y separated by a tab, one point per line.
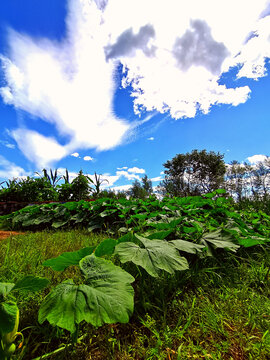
218	310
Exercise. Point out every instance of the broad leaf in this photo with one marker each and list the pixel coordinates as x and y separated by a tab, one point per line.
187	246
156	255
59	223
219	239
252	241
31	283
8	313
66	259
5	288
107	297
159	235
106	247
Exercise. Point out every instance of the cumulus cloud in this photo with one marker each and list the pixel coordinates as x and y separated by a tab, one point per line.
128	43
128	175
172	54
136	170
75	154
122	168
257	158
88	158
198	48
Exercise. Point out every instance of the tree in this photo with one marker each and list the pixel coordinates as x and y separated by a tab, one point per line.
195	173
147	185
237	180
261	178
80	188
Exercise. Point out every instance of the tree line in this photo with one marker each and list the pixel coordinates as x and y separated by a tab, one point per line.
189	174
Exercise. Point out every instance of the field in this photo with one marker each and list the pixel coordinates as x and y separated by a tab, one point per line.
179	279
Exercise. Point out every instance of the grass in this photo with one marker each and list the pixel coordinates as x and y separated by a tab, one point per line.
218	310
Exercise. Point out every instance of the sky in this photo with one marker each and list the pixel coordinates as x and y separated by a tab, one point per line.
118	87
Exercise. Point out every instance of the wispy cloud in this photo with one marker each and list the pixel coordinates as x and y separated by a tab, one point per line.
7	144
157	178
151	138
9	170
69	84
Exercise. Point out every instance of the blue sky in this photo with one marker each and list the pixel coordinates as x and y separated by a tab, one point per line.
119	87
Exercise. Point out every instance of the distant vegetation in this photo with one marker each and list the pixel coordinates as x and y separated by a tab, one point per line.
195	173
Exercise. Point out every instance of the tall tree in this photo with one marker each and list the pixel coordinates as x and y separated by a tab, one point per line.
194	173
147	185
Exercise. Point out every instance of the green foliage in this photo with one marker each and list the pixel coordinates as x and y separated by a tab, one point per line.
29	190
68	258
106	297
153	256
195	173
80	187
9	312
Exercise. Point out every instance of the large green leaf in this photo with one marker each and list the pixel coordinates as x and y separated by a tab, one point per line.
252	241
107	297
106	247
155	255
31	283
8	313
66	259
219	239
187	246
159	235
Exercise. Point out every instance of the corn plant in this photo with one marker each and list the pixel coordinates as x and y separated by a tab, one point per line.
9	312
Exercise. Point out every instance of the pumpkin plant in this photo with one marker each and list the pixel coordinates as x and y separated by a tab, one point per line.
105	296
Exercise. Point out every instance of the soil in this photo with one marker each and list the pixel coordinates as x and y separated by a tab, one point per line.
6	234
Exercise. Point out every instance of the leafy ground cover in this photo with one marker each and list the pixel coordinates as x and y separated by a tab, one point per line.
218	309
168	268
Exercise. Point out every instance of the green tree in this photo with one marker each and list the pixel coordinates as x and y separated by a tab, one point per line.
195	173
237	180
147	185
80	188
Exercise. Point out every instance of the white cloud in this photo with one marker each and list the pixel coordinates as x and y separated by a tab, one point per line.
173	54
151	138
41	150
157	178
7	144
162	173
136	170
257	158
121	188
128	175
69	84
75	154
9	170
122	168
88	158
